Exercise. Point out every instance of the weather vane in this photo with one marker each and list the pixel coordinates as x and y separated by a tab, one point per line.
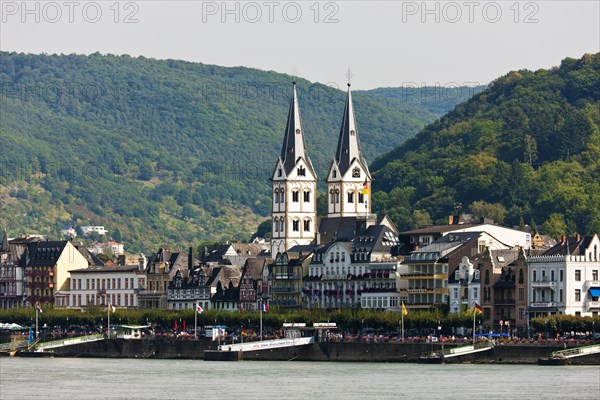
349	76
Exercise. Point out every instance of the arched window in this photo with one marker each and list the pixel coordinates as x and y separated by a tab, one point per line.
307	196
295	196
296	225
307	225
487	277
350	197
332	196
276	196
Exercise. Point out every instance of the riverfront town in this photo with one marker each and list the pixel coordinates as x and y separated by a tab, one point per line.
347	276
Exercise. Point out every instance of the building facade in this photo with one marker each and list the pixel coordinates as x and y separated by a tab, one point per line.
100	286
565	279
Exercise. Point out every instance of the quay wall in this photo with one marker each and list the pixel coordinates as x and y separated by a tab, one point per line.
326	351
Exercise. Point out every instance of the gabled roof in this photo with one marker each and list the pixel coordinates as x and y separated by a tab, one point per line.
44	253
254	268
436	229
574	246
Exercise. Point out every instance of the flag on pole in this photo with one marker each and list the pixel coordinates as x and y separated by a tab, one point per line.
365	189
111	308
477	308
404	310
38	307
265	307
199	309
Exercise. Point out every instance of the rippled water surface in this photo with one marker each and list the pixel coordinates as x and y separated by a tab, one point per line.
75	378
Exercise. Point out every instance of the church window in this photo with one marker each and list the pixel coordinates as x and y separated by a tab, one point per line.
306	196
361	198
301	171
307	225
276	196
296	226
352	133
350	197
295	196
337	196
279	172
297	131
332	196
334	174
281	225
356	173
282	197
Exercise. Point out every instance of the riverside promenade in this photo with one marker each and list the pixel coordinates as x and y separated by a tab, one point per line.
171	348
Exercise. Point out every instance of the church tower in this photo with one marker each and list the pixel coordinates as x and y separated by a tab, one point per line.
348	179
294	184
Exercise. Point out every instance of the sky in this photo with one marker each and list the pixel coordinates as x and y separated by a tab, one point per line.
382	43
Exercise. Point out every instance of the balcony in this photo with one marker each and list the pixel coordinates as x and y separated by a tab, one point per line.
428	291
544	283
504	302
592	305
287	276
544	304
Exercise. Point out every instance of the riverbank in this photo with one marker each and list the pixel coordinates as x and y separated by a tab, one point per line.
521	353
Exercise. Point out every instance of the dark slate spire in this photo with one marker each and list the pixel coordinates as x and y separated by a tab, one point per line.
293	141
348	147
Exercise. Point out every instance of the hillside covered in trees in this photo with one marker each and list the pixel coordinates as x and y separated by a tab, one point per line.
526	150
166	151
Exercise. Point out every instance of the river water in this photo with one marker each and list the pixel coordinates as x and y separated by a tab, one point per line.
77	378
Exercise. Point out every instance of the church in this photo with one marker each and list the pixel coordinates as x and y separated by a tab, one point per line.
341	260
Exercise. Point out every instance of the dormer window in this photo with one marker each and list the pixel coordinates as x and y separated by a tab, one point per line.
356	172
297	131
301	171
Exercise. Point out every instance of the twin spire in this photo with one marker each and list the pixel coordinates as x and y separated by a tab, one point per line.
348	147
293	141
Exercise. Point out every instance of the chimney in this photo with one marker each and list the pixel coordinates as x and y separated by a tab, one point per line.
562	239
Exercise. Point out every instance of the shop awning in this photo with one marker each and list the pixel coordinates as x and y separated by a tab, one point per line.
595	291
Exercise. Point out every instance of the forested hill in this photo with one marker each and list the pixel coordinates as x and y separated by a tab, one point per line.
167	151
525	150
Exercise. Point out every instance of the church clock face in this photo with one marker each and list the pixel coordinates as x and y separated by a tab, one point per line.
356	172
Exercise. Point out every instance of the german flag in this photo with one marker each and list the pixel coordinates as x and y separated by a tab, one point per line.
365	189
477	308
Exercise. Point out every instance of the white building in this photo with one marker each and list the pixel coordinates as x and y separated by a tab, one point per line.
115	248
355	272
564	280
100	286
93	228
464	286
